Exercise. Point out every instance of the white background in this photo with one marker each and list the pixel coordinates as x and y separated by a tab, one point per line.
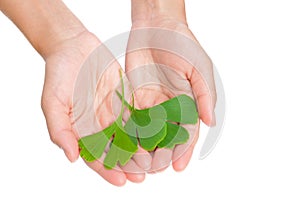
256	47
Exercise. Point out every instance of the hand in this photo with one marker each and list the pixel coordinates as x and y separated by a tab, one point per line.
64	43
59	103
176	73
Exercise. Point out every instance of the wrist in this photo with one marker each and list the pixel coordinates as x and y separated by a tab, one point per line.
77	47
56	24
45	23
155	10
56	39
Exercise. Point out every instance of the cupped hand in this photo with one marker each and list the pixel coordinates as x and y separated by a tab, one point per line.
163	60
63	67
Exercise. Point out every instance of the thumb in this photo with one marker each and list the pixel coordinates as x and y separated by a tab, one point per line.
60	128
206	97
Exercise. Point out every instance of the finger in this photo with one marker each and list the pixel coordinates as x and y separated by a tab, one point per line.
182	153
161	160
181	163
143	159
114	176
60	129
133	172
205	94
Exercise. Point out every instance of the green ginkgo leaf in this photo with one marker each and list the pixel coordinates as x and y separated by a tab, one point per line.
148	126
181	109
152	127
92	146
176	135
121	150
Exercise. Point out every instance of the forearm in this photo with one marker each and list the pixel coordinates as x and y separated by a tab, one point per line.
45	23
152	9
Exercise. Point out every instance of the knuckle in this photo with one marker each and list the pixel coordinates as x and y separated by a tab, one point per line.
43	103
53	138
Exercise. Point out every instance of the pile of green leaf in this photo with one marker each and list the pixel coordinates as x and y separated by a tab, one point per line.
153	127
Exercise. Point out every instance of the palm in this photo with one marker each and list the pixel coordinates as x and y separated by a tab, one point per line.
170	75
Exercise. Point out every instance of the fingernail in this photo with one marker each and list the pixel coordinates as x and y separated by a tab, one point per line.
70	156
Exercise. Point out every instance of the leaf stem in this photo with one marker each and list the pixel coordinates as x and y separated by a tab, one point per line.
122	85
132	101
125	102
119	119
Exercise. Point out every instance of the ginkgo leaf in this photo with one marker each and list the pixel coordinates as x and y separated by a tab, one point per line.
176	135
149	125
152	127
121	150
181	109
92	146
150	143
